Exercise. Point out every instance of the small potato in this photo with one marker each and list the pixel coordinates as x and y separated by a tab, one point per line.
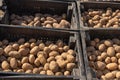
43	72
118	55
108	43
50	59
104	55
5	65
24	60
14	54
28	71
61	63
96	40
46	66
65	24
47	22
118	75
114	59
110	51
36	70
27	66
53	66
54	48
53	53
56	25
36	19
48	26
43	53
19	63
15	46
21	41
59	57
112	66
32	45
42	59
70	66
66	48
49	72
109	76
100	65
20	70
58	73
1	51
60	50
108	60
119	61
117	49
64	55
70	58
66	73
47	50
34	50
21	46
60	43
13	63
41	46
7	70
91	48
23	51
5	42
102	47
31	58
8	49
92	58
71	52
27	45
37	24
37	62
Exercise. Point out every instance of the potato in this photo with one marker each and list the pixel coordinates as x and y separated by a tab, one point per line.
59	57
32	45
102	47
61	63
1	51
60	50
21	41
34	50
117	49
54	48
58	73
71	52
46	66
108	60
27	45
92	57
49	72
53	66
43	72
70	58
42	59
118	75
112	66
41	46
5	65
31	58
5	42
21	46
28	71
23	51
47	50
118	55
24	60
50	59
27	66
70	66
66	73
15	46
13	63
37	62
100	65
20	70
56	25
37	23
66	48
109	76
53	53
8	70
60	43
19	63
36	70
65	24
14	54
119	61
104	55
64	55
47	22
114	72
110	51
108	43
114	59
48	26
8	49
36	19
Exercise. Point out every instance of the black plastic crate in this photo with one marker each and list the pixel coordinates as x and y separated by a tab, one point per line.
84	6
29	7
87	36
70	38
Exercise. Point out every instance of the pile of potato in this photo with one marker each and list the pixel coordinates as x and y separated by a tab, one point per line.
101	18
35	56
104	58
40	20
